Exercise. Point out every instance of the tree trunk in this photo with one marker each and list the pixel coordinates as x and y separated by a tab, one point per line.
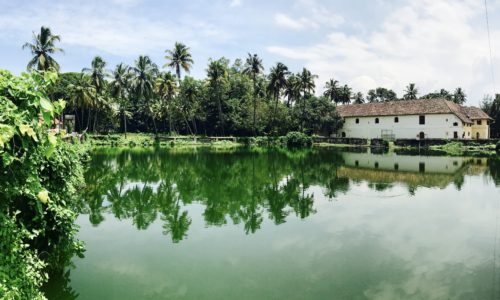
220	110
125	124
254	105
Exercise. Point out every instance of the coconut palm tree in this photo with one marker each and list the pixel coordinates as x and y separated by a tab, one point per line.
217	73
41	48
143	83
179	58
253	67
292	89
358	98
345	94
97	73
307	86
459	96
332	91
166	88
119	88
277	82
411	92
81	97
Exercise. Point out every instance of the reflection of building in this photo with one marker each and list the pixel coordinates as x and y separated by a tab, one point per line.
412	170
414	119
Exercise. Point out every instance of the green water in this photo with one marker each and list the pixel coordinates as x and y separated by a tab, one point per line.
313	224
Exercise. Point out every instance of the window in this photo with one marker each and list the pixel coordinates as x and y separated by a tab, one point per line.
488	122
376	165
478	122
421	135
356	163
421	120
468	133
376	120
396	120
343	134
357	121
455	135
455	123
421	167
396	166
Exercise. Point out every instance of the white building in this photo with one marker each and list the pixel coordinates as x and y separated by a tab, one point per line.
414	119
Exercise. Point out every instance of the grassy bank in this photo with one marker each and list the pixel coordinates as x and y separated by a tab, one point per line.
459	149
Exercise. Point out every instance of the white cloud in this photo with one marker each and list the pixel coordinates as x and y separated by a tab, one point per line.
283	20
115	31
312	15
436	44
235	3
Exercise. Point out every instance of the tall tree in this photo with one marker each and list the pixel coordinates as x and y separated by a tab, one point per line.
217	73
143	82
307	86
253	68
292	89
332	91
459	96
381	94
119	87
358	98
411	92
97	73
345	94
81	96
277	81
179	58
42	46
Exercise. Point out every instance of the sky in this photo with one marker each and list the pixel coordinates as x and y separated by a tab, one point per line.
365	44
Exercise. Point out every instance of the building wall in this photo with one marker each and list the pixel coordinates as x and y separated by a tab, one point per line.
406	163
437	126
483	129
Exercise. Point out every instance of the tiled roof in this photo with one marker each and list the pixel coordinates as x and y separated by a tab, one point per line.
475	113
411	107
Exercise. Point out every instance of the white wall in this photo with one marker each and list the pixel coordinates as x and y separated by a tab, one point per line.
436	126
406	163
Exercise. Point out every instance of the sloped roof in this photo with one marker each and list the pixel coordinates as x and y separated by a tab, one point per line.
411	107
475	113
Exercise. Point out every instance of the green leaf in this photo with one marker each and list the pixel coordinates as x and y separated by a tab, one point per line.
6	133
27	130
46	105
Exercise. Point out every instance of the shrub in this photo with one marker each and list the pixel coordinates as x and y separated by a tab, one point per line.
40	175
297	139
498	146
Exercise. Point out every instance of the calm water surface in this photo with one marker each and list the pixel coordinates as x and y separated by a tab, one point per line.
312	224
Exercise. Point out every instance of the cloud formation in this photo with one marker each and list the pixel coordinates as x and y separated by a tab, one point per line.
435	44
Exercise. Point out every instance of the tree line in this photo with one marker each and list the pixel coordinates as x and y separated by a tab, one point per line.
234	98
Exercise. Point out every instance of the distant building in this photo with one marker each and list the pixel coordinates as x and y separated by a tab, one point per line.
414	119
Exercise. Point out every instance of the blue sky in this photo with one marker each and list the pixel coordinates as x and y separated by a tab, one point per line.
434	43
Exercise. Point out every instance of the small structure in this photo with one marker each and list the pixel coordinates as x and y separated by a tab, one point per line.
414	119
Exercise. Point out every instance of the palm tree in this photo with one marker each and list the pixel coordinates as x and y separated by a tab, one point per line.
179	58
166	88
277	81
81	96
217	74
358	98
97	73
143	83
119	87
345	94
307	86
189	91
411	92
292	89
459	96
253	67
41	48
332	91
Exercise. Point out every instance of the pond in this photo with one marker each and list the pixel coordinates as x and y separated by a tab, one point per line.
308	224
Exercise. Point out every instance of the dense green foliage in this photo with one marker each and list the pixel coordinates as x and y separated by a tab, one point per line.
491	106
39	175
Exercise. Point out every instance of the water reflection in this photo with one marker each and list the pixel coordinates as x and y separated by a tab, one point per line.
248	186
311	224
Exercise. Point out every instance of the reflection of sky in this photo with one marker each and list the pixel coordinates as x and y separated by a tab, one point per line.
364	244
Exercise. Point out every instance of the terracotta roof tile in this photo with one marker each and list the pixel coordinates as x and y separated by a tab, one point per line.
410	107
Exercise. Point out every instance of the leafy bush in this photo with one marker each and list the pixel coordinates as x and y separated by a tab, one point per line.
40	175
498	146
297	139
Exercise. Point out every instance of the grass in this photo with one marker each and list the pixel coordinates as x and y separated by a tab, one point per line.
459	149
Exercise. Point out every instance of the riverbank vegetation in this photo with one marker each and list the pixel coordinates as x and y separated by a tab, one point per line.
39	176
237	98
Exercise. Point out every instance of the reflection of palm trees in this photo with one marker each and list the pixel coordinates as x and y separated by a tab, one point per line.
238	187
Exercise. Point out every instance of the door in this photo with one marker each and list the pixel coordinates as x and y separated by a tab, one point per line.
421	135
